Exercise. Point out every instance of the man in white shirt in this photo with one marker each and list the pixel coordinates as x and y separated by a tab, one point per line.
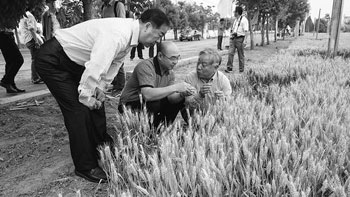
28	30
78	63
237	40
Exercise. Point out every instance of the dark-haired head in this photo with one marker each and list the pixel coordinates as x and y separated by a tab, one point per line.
156	16
239	10
153	26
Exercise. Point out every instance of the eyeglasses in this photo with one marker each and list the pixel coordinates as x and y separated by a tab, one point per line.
172	58
205	64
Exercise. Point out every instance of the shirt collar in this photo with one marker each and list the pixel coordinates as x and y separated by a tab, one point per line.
214	77
135	33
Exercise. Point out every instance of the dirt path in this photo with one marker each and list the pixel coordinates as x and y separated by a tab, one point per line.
34	150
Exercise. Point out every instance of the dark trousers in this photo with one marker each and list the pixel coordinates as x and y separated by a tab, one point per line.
12	56
220	42
139	51
33	52
119	80
86	128
151	51
236	43
163	111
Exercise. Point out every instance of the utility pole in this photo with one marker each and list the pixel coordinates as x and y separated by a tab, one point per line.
318	24
333	40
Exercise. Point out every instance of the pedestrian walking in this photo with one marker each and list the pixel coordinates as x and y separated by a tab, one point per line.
221	30
237	40
13	60
29	35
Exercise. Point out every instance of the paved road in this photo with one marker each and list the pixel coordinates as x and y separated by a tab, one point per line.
187	49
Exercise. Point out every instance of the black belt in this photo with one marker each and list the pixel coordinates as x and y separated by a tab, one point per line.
237	37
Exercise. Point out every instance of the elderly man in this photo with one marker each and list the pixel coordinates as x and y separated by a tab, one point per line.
209	82
76	66
155	81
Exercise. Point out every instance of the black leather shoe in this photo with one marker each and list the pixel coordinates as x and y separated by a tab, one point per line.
96	175
228	70
9	88
18	90
38	81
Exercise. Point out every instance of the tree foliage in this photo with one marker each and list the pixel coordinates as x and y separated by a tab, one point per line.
70	13
11	11
309	25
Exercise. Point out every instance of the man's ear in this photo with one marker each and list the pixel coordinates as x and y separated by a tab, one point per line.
148	25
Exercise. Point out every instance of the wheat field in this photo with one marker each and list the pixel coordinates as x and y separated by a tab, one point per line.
285	131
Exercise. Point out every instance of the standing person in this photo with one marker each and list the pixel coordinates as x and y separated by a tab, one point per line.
13	58
237	40
139	46
154	79
78	63
29	36
221	30
114	8
49	20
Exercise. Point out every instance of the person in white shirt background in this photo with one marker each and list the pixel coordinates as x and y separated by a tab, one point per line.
238	40
29	35
78	63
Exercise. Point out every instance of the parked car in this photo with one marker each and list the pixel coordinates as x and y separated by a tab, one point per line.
190	35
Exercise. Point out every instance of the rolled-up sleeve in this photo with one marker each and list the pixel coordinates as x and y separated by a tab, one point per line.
102	64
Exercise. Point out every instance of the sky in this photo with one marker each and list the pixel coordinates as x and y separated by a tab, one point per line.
315	5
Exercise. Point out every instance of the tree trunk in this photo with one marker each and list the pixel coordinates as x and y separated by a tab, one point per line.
267	30
87	6
276	29
251	31
175	33
262	30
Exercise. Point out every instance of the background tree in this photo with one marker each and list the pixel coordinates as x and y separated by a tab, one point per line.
297	9
309	25
323	25
11	11
71	13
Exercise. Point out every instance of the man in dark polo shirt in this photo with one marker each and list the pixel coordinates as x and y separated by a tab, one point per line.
154	80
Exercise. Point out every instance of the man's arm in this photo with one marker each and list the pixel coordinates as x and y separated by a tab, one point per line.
153	94
175	92
102	54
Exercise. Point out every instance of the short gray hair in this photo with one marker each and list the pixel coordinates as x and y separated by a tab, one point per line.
213	54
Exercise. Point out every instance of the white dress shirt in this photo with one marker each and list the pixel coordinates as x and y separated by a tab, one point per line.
24	26
100	45
240	26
